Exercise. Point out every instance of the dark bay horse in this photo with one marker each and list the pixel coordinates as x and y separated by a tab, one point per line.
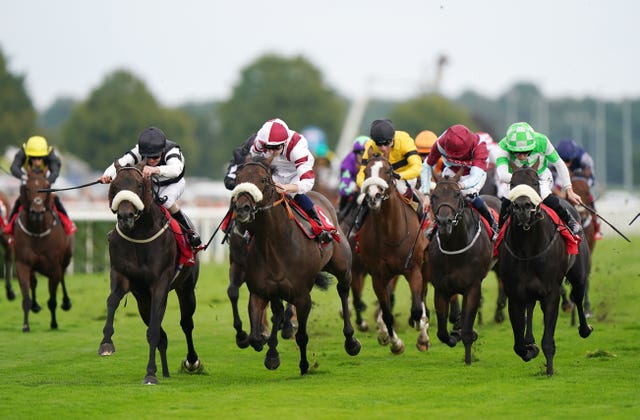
390	233
532	263
283	263
144	261
7	246
40	245
460	257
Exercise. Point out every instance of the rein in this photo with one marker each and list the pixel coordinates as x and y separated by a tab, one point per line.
147	240
36	235
539	254
466	248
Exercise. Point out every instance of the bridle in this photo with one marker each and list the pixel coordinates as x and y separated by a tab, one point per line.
38	201
265	180
458	210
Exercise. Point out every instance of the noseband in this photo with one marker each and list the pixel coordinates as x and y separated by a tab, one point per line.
266	180
458	210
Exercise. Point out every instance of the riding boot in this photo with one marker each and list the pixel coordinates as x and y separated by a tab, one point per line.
484	210
555	204
362	214
188	229
418	201
323	236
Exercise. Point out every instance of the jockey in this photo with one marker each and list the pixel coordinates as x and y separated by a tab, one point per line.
577	159
349	168
522	146
403	156
240	153
164	160
293	165
424	143
38	156
461	148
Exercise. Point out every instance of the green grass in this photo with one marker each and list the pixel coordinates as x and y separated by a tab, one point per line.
58	374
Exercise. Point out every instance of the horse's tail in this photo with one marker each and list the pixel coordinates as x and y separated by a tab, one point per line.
323	280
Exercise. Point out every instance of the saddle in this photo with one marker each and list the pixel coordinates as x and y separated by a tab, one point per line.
310	227
187	256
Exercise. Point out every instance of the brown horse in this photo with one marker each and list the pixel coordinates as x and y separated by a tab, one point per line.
284	262
390	233
41	245
144	261
460	257
532	263
7	246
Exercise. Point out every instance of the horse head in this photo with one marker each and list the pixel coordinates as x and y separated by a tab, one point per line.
527	175
36	203
447	201
526	206
129	194
378	181
254	188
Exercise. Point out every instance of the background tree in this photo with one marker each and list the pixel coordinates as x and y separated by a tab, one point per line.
107	124
17	114
289	88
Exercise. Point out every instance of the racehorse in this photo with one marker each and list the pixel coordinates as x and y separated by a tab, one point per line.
392	242
532	263
238	250
7	246
358	269
145	261
284	262
459	257
40	245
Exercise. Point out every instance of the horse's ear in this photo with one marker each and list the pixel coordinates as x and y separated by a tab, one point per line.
458	174
536	165
512	167
117	165
369	151
269	159
437	176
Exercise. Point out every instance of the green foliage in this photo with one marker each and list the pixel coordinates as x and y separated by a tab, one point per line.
273	86
17	114
595	377
107	124
429	112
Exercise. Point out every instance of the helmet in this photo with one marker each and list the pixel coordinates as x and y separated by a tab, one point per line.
382	132
486	137
151	142
520	137
457	141
425	141
37	146
567	149
273	133
358	144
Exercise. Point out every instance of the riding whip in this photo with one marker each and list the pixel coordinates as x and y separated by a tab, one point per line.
46	190
355	220
634	219
415	241
607	222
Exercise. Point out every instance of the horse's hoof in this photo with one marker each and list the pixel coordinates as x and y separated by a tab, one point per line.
384	339
66	305
242	340
35	308
195	367
586	331
257	345
363	326
499	317
287	331
423	345
352	347
54	325
531	352
397	347
25	328
11	295
106	349
567	307
150	380
272	363
304	367
474	335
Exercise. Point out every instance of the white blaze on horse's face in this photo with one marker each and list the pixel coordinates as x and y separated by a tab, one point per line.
375	187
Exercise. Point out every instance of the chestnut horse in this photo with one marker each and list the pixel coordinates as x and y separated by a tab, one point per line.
532	263
40	245
144	261
390	233
460	257
282	262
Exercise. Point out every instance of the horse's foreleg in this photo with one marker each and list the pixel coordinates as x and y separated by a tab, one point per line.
272	358
519	324
8	261
549	306
257	306
577	293
187	300
419	319
470	304
233	292
501	303
153	315
118	290
357	286
35	306
24	279
288	321
386	332
441	302
66	302
303	307
52	302
351	345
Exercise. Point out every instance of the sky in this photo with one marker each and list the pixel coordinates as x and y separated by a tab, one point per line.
192	50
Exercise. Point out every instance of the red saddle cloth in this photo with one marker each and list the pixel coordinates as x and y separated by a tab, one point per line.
571	242
308	226
67	224
187	256
485	222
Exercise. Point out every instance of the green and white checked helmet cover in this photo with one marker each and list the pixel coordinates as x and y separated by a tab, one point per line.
520	137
